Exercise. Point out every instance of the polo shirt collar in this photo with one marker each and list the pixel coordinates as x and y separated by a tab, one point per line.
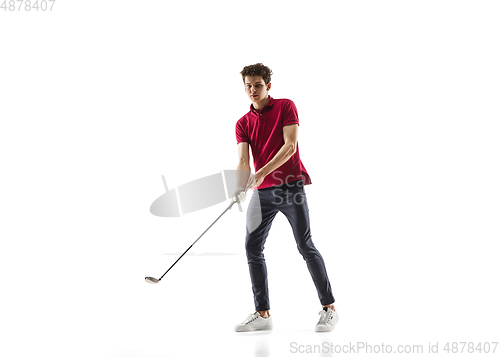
269	104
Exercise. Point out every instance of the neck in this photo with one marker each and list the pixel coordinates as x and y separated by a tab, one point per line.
260	104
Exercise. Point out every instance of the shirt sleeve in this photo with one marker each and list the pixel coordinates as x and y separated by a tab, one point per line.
241	134
289	113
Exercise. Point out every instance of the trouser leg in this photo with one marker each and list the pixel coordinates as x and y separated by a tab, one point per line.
296	211
260	215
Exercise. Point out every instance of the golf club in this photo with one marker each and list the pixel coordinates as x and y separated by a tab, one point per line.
152	280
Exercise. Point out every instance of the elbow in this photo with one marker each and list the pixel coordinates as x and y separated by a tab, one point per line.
293	147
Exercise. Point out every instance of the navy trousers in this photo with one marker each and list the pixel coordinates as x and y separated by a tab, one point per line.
290	199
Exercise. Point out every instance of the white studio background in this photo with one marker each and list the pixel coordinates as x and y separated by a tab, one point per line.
399	128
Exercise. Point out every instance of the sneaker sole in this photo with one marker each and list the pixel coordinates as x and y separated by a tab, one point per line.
242	329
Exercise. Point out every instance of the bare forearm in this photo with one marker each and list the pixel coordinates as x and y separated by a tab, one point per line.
242	174
282	156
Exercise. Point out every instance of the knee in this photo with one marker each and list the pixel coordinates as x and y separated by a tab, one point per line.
253	250
307	250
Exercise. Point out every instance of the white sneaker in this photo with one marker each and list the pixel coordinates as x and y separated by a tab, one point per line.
327	321
254	322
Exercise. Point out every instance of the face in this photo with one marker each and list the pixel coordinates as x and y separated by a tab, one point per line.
256	88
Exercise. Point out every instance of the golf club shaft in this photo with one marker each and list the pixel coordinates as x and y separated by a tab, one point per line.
229	207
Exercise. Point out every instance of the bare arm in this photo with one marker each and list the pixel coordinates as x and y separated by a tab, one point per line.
243	168
290	136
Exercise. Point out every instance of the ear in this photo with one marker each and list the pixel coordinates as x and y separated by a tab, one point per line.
268	86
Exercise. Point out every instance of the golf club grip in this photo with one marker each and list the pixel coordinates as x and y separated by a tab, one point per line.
228	208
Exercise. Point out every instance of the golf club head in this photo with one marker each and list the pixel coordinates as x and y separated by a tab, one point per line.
151	280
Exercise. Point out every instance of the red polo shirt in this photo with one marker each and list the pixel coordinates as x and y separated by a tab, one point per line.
263	130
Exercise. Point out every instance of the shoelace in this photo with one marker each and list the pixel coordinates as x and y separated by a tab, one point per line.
326	316
251	318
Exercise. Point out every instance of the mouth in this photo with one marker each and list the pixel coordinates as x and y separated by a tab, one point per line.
254	96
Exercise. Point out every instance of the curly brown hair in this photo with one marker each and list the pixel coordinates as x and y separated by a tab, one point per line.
257	69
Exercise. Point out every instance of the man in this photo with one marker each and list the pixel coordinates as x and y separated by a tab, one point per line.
270	128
